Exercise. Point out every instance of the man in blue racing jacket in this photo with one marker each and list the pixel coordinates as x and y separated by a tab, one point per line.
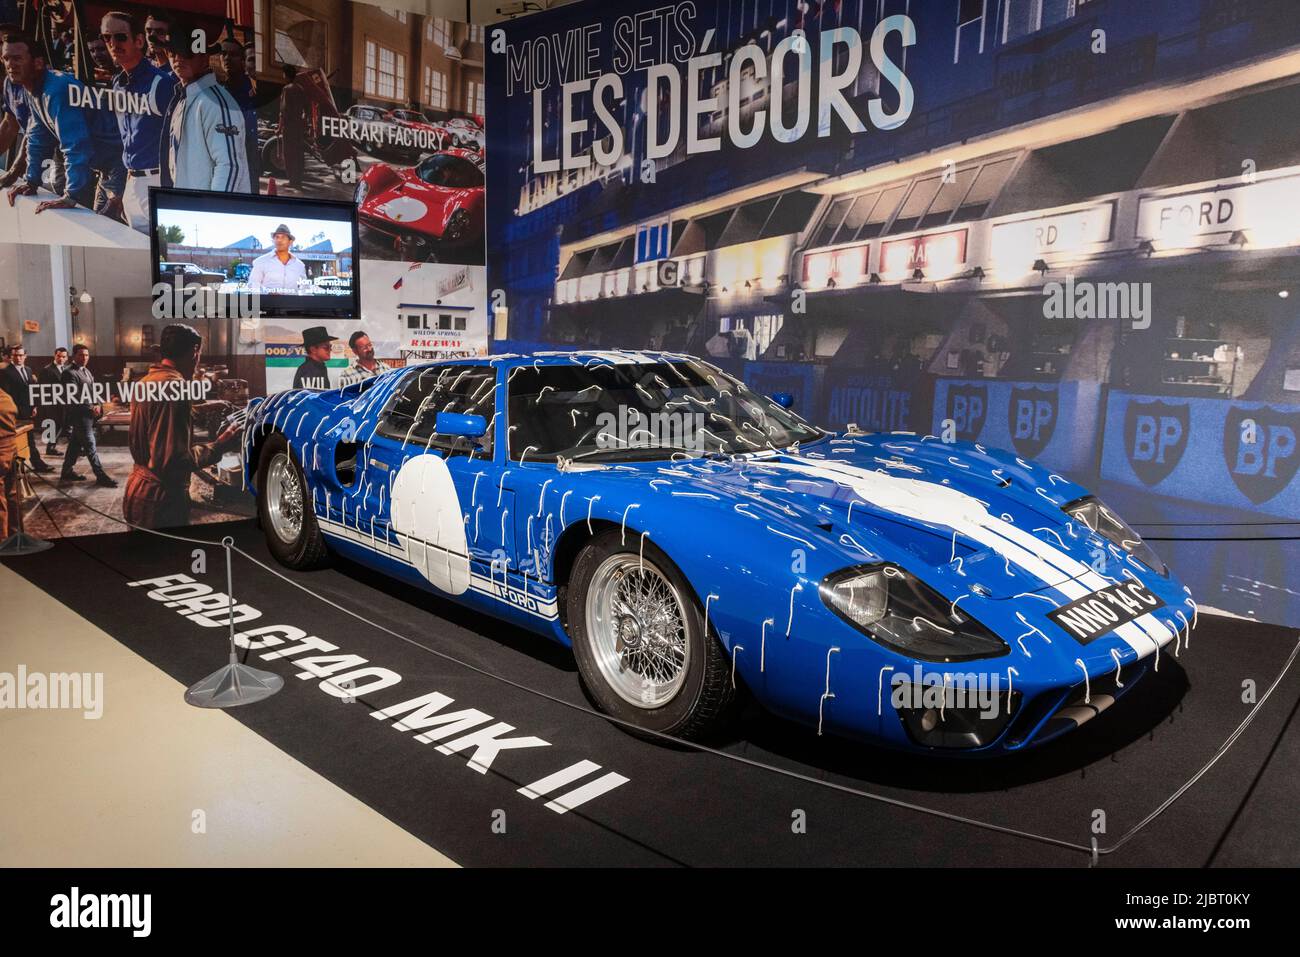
87	138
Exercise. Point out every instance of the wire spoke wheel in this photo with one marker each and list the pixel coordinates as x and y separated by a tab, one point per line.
636	623
284	499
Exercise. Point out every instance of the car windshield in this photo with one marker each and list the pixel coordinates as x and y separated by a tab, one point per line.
601	411
441	169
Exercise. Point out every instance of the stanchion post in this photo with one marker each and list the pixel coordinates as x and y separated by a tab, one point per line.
20	543
234	684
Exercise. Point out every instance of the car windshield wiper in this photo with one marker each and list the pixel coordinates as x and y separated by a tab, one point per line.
652	449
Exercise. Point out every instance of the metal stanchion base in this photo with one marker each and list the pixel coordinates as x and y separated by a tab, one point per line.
20	543
233	685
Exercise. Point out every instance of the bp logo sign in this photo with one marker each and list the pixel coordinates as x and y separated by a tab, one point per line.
968	405
1259	448
1031	418
1155	437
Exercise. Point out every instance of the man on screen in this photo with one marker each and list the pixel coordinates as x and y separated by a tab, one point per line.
161	440
278	271
203	128
141	132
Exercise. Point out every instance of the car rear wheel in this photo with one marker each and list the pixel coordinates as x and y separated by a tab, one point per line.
284	508
639	639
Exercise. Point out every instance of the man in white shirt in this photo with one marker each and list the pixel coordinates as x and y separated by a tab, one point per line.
278	271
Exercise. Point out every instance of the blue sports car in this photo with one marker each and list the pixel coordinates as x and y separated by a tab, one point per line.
688	537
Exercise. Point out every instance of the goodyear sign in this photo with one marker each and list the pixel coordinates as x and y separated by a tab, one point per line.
1216	451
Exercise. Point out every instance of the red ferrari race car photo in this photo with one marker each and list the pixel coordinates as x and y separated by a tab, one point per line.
431	212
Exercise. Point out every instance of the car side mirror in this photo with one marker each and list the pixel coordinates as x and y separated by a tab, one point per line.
456	424
784	399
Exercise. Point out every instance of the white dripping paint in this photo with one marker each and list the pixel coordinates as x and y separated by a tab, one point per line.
937	504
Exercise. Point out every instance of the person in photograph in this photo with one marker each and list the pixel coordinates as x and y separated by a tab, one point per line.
141	132
87	138
244	89
295	112
278	271
10	441
13	123
162	442
314	373
100	60
364	364
17	380
81	418
158	31
52	374
203	128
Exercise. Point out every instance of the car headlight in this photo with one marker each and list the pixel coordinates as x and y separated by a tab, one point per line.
1097	517
900	611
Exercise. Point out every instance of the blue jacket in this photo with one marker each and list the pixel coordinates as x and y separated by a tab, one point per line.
141	125
15	104
88	138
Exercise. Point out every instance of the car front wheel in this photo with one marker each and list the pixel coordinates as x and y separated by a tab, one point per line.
640	643
285	510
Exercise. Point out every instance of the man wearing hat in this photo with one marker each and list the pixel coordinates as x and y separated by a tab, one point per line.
278	271
313	373
203	128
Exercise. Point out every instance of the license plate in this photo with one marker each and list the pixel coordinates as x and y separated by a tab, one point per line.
1099	612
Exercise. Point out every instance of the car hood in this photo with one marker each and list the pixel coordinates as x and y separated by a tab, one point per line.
944	512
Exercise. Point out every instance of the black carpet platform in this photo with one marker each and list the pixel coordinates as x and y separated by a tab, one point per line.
685	807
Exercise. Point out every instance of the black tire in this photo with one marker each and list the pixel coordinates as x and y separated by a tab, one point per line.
272	160
704	702
307	550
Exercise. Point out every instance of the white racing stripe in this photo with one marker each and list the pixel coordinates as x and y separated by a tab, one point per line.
937	504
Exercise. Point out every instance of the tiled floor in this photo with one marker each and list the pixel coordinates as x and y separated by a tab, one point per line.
132	787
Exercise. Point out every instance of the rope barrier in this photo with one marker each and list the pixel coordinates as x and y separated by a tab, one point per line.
1092	850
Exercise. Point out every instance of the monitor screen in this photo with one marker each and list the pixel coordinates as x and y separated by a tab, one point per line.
271	255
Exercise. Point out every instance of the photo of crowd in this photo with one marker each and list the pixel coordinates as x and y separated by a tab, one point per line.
103	101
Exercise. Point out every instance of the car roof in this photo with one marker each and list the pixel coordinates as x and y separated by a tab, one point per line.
584	357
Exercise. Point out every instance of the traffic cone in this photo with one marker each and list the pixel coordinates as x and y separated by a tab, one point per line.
270	187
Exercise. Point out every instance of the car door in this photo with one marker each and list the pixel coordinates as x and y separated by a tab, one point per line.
441	494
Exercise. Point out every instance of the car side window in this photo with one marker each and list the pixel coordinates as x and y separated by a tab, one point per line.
412	414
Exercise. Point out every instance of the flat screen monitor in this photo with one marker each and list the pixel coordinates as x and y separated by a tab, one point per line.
282	256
